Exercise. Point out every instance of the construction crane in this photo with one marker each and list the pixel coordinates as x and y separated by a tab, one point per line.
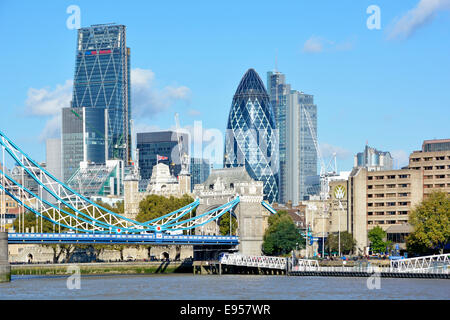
326	171
184	158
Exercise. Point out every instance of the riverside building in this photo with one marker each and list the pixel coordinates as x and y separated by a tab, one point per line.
385	198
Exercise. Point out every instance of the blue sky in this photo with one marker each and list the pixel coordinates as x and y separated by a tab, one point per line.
387	86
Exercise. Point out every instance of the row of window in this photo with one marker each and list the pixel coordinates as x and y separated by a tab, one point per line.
390	177
437	176
388	204
439	158
388	213
390	186
384	222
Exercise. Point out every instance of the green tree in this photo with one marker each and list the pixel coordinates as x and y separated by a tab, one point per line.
348	243
282	236
31	220
431	223
224	224
154	206
377	243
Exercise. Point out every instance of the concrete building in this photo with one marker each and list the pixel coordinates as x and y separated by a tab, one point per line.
53	158
373	160
381	198
434	163
296	121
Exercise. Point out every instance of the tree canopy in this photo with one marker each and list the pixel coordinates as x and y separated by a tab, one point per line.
376	237
431	222
347	243
282	236
154	206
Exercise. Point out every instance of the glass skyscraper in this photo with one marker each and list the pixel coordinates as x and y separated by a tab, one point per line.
163	144
298	155
200	169
251	137
101	81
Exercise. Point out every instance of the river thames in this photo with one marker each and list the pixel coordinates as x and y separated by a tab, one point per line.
224	287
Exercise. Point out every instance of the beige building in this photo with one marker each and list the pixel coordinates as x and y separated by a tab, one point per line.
385	198
381	198
434	165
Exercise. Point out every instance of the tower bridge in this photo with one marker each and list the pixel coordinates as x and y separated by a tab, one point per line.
77	219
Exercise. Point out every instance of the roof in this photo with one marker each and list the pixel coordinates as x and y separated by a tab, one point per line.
400	228
251	84
228	175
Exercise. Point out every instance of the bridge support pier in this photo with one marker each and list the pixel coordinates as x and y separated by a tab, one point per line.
5	268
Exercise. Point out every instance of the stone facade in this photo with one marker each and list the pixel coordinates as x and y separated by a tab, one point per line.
33	253
221	187
161	183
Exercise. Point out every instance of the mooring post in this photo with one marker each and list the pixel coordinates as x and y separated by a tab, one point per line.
5	268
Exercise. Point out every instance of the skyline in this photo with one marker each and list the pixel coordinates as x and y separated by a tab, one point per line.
327	51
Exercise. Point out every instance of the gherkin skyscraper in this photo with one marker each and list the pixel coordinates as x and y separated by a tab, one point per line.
251	137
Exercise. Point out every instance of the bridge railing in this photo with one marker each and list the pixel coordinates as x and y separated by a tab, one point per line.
419	264
254	261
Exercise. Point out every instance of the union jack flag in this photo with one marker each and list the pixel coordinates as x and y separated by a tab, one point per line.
158	157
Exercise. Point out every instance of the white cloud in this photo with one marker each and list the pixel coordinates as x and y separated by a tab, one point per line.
319	44
313	45
400	157
194	112
327	150
422	13
46	102
52	128
147	99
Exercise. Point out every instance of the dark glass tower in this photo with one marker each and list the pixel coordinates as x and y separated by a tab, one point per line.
102	80
251	137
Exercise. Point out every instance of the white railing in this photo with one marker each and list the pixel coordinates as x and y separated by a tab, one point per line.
266	262
420	264
254	261
305	265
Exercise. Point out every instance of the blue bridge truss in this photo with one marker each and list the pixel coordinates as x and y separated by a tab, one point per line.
88	221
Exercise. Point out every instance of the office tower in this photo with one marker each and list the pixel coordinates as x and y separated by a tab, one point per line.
200	170
163	144
83	138
296	121
251	137
373	160
101	81
53	157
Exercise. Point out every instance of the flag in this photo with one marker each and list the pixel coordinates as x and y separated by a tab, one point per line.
158	158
